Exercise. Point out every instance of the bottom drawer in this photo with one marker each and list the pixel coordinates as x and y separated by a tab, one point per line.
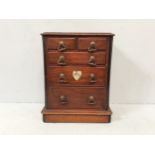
76	98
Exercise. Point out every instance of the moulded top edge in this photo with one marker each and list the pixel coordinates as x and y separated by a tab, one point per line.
76	34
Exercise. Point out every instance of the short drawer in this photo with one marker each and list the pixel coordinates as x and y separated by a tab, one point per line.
76	98
75	75
61	44
93	44
76	58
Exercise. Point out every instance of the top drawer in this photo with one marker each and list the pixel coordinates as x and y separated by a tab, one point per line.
92	44
61	44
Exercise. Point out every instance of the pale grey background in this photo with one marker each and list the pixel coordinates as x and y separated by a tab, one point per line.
21	58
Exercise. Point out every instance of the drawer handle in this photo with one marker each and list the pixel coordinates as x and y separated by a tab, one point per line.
61	46
63	99
92	47
91	61
91	100
61	60
62	78
92	78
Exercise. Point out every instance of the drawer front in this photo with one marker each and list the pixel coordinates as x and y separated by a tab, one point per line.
76	98
61	44
76	58
75	75
93	44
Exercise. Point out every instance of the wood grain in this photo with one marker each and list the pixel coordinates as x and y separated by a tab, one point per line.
53	74
101	43
82	100
76	116
53	43
75	58
77	98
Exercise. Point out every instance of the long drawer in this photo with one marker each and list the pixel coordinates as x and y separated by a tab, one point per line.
76	58
75	75
76	98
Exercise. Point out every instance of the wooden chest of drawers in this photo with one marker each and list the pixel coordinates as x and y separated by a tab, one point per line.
77	73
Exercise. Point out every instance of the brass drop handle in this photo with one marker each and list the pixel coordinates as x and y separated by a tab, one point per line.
61	46
92	78
92	61
91	100
62	78
92	47
61	60
63	99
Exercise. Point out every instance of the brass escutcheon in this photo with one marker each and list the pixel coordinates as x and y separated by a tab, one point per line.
77	74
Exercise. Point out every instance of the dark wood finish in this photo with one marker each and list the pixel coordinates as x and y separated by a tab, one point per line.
76	98
53	43
53	74
82	116
101	43
76	58
70	98
76	34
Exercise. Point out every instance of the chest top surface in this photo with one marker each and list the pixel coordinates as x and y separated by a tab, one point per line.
77	34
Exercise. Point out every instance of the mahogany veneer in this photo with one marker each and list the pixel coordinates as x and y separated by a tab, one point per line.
77	73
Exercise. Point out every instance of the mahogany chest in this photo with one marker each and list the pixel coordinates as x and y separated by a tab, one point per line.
77	73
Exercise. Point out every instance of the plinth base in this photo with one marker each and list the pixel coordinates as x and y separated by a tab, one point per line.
76	116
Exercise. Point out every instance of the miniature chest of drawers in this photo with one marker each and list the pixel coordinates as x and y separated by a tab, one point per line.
77	73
